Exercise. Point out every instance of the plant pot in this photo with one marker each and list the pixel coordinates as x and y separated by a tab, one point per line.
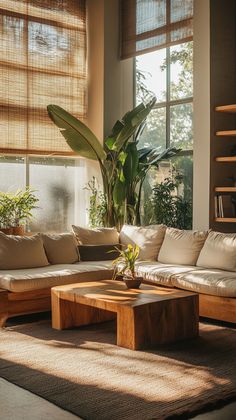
18	230
133	283
7	231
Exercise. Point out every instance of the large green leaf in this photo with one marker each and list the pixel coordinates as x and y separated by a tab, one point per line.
126	128
78	136
156	157
131	162
119	193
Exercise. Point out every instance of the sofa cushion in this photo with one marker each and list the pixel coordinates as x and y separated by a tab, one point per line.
219	251
61	248
18	252
98	236
98	252
181	246
54	275
148	239
210	281
159	273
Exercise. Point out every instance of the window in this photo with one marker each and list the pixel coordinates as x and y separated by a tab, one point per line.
43	61
58	183
168	74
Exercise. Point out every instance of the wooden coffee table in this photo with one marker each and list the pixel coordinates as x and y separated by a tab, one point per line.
146	317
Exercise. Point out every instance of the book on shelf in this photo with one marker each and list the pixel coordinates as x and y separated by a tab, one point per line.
224	206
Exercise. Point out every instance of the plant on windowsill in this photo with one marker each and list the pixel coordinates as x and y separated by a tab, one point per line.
125	266
15	210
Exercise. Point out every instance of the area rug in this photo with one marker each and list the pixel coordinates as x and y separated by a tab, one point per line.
84	372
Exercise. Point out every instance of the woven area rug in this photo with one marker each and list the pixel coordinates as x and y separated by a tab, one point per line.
84	372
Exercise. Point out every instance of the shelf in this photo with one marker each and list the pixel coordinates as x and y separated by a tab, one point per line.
226	133
226	108
226	219
225	189
226	159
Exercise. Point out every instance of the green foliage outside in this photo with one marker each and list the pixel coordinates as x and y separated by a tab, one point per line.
180	136
169	208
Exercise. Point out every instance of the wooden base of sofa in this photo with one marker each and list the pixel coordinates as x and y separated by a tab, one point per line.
215	307
22	303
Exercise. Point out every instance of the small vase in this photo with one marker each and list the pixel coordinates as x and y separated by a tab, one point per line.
133	283
18	230
7	231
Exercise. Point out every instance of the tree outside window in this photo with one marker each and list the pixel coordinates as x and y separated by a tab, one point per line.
168	74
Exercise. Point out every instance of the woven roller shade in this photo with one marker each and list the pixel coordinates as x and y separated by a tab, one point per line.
148	25
42	61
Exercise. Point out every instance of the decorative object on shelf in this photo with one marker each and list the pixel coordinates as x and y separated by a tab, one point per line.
15	210
125	266
123	166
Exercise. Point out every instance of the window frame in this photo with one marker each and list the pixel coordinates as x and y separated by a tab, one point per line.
169	102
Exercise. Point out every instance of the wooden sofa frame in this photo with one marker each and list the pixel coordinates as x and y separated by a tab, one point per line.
21	303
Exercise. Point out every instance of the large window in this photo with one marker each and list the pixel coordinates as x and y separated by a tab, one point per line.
42	62
167	73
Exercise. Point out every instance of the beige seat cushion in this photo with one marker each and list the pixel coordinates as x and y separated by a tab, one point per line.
21	252
219	251
159	273
210	281
98	236
61	248
54	275
181	246
148	239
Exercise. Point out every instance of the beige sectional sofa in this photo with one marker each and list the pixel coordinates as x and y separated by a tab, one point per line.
169	257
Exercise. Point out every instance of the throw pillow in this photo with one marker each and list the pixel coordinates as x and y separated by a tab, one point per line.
98	252
98	236
21	252
181	246
61	248
148	239
219	251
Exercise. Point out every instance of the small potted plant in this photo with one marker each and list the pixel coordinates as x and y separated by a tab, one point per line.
15	210
125	266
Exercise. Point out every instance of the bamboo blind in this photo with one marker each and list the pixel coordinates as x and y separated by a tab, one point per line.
42	61
148	25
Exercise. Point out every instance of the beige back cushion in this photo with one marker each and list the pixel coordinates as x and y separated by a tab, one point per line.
98	236
61	248
21	252
181	246
148	238
219	251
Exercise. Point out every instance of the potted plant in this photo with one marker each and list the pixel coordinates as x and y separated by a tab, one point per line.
125	266
15	210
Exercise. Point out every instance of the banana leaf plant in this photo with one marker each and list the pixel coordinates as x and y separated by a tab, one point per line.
123	166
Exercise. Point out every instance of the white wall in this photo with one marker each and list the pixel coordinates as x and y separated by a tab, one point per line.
201	114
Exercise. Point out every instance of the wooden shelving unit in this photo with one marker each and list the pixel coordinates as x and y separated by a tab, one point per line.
227	160
225	219
226	133
226	108
225	189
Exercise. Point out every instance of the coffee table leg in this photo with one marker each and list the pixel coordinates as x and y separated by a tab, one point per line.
67	314
157	323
